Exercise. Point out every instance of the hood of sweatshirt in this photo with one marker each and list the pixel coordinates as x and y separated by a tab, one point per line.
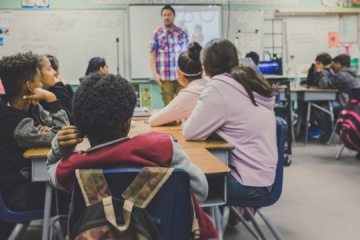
349	71
259	99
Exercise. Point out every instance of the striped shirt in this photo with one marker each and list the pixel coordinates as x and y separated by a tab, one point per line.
168	44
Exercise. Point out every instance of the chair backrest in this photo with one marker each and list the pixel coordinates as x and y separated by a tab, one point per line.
171	207
10	216
275	193
354	93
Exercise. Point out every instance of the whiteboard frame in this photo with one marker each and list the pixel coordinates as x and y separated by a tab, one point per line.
221	30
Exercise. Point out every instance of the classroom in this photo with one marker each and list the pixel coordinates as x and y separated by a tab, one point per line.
256	100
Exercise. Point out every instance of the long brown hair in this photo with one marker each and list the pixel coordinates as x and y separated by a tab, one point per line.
221	56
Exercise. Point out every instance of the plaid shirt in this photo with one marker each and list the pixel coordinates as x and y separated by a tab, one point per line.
168	44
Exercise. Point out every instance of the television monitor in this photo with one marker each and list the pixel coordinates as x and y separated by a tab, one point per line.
270	67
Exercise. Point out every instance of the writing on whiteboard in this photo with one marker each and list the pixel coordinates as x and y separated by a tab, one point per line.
60	24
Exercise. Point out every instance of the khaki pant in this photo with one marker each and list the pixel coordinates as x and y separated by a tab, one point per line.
169	89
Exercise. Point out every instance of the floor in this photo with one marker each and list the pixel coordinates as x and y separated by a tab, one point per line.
320	198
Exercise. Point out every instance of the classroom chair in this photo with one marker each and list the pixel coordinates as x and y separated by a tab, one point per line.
171	207
23	219
274	195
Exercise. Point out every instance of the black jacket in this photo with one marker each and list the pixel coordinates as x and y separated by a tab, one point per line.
18	132
63	93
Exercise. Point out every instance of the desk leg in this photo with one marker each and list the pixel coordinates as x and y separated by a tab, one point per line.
307	123
47	211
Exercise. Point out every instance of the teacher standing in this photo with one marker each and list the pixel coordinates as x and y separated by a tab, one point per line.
166	45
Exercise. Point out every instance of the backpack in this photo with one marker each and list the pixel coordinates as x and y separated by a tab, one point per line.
348	125
106	217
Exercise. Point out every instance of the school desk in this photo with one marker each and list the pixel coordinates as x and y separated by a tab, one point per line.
218	148
214	170
311	95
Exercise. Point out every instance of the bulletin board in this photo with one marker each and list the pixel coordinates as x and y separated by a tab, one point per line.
73	36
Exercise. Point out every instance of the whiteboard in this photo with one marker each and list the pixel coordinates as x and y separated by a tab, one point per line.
209	16
73	36
307	36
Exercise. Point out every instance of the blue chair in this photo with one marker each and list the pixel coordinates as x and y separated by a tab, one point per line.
273	196
22	219
171	207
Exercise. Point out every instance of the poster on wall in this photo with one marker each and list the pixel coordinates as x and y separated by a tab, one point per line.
351	3
35	3
145	95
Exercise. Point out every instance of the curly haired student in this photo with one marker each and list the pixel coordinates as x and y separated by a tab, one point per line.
103	107
24	124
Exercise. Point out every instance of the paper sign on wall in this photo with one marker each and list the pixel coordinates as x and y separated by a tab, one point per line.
35	3
333	39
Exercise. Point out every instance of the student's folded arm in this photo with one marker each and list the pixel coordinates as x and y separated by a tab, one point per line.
53	158
168	114
208	115
198	181
324	79
27	136
55	117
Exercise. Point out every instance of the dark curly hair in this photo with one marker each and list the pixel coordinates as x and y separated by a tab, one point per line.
16	70
103	103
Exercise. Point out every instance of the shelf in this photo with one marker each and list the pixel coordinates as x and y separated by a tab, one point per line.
283	12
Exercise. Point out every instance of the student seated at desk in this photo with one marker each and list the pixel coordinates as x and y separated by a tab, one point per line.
237	105
24	124
55	84
340	77
103	107
189	76
96	64
320	68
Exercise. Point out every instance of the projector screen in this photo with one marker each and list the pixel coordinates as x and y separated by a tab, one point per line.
201	22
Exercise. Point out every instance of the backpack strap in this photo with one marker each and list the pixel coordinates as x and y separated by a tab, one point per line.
110	213
146	184
93	185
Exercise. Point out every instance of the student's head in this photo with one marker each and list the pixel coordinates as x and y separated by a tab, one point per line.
221	56
254	56
20	74
189	64
103	106
54	63
341	61
168	15
97	64
47	72
323	59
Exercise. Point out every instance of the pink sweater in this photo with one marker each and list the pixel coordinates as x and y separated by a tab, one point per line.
181	106
225	108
